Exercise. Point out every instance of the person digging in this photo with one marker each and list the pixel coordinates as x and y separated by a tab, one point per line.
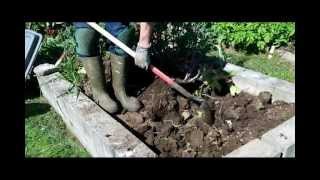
88	54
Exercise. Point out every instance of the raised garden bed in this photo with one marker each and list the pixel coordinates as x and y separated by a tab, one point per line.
171	125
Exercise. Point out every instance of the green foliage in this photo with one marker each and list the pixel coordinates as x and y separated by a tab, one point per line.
173	39
58	39
234	90
69	69
252	36
214	80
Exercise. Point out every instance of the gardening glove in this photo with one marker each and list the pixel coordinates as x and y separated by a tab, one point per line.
142	58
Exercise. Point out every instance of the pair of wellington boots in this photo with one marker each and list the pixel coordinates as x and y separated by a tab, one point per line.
94	70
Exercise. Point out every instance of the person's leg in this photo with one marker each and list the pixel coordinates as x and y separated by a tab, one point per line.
88	53
118	57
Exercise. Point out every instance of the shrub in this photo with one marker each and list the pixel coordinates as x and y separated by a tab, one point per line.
173	39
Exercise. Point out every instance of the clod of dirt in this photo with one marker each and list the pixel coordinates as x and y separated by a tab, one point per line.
181	143
156	126
195	138
213	135
183	103
162	100
142	128
205	153
168	145
280	112
191	122
166	129
257	104
133	118
206	113
172	144
203	126
232	113
265	97
149	137
173	117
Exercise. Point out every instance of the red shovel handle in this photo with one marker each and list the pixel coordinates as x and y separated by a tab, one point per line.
173	84
161	75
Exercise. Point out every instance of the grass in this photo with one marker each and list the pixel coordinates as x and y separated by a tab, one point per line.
45	133
274	67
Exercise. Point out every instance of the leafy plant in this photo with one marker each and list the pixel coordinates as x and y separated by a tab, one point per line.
214	81
55	44
173	39
252	36
234	90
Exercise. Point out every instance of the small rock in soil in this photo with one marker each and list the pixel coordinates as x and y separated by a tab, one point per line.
229	124
186	115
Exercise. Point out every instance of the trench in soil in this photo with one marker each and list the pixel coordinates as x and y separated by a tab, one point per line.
174	126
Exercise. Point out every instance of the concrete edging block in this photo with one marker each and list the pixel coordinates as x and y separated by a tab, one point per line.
256	148
282	136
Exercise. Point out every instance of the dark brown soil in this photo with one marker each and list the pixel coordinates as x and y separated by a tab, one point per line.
211	130
177	127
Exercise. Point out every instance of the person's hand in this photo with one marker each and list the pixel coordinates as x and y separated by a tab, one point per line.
142	58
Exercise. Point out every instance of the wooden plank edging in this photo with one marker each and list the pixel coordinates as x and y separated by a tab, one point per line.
97	131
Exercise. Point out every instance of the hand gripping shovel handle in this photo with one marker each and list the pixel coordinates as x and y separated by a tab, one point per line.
152	68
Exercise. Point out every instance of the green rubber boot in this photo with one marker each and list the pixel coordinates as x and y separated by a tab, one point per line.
118	66
94	71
